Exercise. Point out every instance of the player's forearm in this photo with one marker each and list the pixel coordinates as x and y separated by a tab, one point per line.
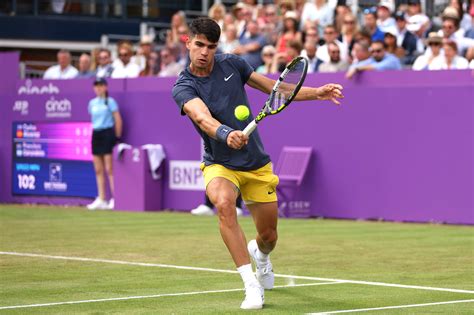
307	94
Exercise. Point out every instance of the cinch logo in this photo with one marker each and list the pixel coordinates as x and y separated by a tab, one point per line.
58	108
30	89
21	106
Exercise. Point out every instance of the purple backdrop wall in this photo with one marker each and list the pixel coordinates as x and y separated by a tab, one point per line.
399	148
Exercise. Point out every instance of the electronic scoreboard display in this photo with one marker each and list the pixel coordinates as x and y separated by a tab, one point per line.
53	159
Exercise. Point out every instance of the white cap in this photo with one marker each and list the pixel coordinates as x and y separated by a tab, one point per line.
388	4
415	22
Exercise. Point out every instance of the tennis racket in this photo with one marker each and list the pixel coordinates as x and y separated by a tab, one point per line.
283	92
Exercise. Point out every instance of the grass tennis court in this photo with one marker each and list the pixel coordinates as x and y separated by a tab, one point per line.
104	262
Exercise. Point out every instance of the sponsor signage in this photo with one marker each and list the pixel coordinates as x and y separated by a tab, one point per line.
186	175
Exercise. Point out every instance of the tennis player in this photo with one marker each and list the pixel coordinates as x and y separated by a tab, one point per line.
208	91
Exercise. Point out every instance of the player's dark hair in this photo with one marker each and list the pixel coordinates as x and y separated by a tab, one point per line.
207	27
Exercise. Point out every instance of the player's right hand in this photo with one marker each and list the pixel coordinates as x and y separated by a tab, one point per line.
237	140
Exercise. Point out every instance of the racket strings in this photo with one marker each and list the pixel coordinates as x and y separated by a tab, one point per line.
287	86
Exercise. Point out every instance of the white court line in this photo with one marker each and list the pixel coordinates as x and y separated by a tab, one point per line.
234	271
155	296
391	307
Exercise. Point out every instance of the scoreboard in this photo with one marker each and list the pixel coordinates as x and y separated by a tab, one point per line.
53	159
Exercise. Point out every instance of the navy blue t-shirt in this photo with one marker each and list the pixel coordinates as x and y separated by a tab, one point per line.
222	91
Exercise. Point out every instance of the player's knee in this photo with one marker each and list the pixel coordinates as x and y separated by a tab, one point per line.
269	236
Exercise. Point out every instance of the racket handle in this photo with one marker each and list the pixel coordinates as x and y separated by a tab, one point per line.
250	128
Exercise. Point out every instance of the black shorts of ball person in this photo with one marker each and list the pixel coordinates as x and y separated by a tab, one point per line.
103	141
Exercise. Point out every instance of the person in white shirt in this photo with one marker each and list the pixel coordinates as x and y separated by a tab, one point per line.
123	67
451	60
104	61
317	11
432	56
384	20
63	70
330	36
169	67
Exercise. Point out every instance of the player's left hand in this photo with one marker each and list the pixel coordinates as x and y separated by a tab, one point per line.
331	92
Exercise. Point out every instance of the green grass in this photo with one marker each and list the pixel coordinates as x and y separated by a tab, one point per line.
410	254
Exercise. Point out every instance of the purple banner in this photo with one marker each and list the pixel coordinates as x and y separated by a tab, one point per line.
399	148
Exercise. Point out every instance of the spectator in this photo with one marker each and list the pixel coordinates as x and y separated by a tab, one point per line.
251	45
107	129
430	57
123	67
310	52
311	34
380	60
273	25
317	11
290	31
217	12
348	35
280	60
144	51
85	67
451	30
390	41
341	12
94	58
151	68
464	17
243	16
268	52
335	63
384	12
169	67
104	64
451	60
370	24
229	42
178	20
63	70
330	36
360	51
405	39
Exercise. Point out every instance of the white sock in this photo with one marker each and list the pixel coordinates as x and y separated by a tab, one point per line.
247	275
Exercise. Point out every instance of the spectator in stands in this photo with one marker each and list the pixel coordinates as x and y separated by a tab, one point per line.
310	33
390	41
242	16
169	66
268	52
107	129
281	59
335	63
340	14
348	35
104	64
273	25
380	60
360	51
317	11
464	17
290	31
384	19
217	12
370	24
173	36
63	70
123	67
85	67
363	35
94	58
405	39
310	52
229	42
151	68
330	36
431	57
144	51
451	30
251	45
451	60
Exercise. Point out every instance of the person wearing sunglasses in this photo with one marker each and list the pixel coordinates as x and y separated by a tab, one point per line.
123	67
433	56
379	60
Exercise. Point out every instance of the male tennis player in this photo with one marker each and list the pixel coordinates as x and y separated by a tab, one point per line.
208	91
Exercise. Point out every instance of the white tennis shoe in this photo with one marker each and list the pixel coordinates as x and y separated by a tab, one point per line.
264	270
254	298
98	204
202	210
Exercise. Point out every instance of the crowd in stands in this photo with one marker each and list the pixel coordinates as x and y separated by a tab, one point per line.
331	35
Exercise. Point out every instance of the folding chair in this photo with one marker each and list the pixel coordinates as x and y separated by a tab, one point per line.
291	168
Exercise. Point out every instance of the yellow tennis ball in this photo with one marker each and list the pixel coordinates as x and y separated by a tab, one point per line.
241	112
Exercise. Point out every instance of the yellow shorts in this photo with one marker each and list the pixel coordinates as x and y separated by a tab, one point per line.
255	186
